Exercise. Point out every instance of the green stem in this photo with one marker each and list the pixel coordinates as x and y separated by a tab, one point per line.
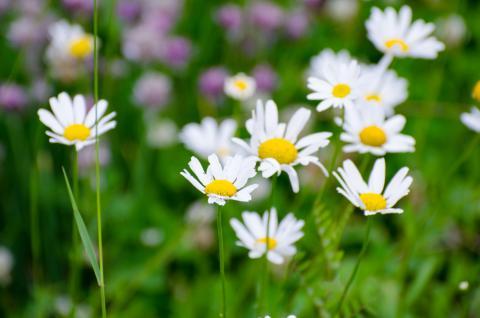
97	160
223	312
263	304
333	162
357	265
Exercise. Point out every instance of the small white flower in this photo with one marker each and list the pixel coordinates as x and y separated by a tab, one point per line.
386	90
472	119
325	58
394	33
223	183
281	237
240	86
371	197
209	137
463	285
69	41
276	145
70	123
337	86
367	130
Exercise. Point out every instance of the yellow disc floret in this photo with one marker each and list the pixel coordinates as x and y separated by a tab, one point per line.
222	188
397	43
272	243
81	47
341	90
476	91
373	98
240	84
373	136
373	201
76	132
279	149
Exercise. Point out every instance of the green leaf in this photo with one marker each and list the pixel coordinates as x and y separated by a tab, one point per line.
82	229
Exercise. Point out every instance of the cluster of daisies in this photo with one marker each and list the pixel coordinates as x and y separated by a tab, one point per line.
366	97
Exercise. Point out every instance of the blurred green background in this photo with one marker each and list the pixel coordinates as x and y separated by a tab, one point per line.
161	263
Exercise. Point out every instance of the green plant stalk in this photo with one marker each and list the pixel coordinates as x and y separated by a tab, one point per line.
366	240
97	160
263	301
221	252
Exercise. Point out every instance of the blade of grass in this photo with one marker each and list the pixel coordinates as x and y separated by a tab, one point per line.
82	229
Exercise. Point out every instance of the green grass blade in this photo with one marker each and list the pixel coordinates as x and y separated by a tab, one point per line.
82	229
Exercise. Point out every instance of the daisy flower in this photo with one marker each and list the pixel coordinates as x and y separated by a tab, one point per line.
209	137
69	41
240	86
394	34
70	123
371	197
472	119
337	85
325	58
367	130
219	183
387	90
281	237
276	145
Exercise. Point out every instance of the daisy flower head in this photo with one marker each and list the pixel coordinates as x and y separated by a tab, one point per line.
221	183
367	130
71	124
472	119
240	86
277	146
387	90
371	197
209	137
325	58
337	86
394	33
252	235
69	41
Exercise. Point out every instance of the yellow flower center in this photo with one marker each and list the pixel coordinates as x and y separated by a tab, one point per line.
373	98
279	149
272	243
241	85
373	136
476	91
398	43
341	90
373	201
222	188
76	132
81	47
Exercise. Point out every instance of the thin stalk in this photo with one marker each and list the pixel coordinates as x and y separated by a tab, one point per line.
366	240
333	162
264	279
221	252
465	155
74	264
97	159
